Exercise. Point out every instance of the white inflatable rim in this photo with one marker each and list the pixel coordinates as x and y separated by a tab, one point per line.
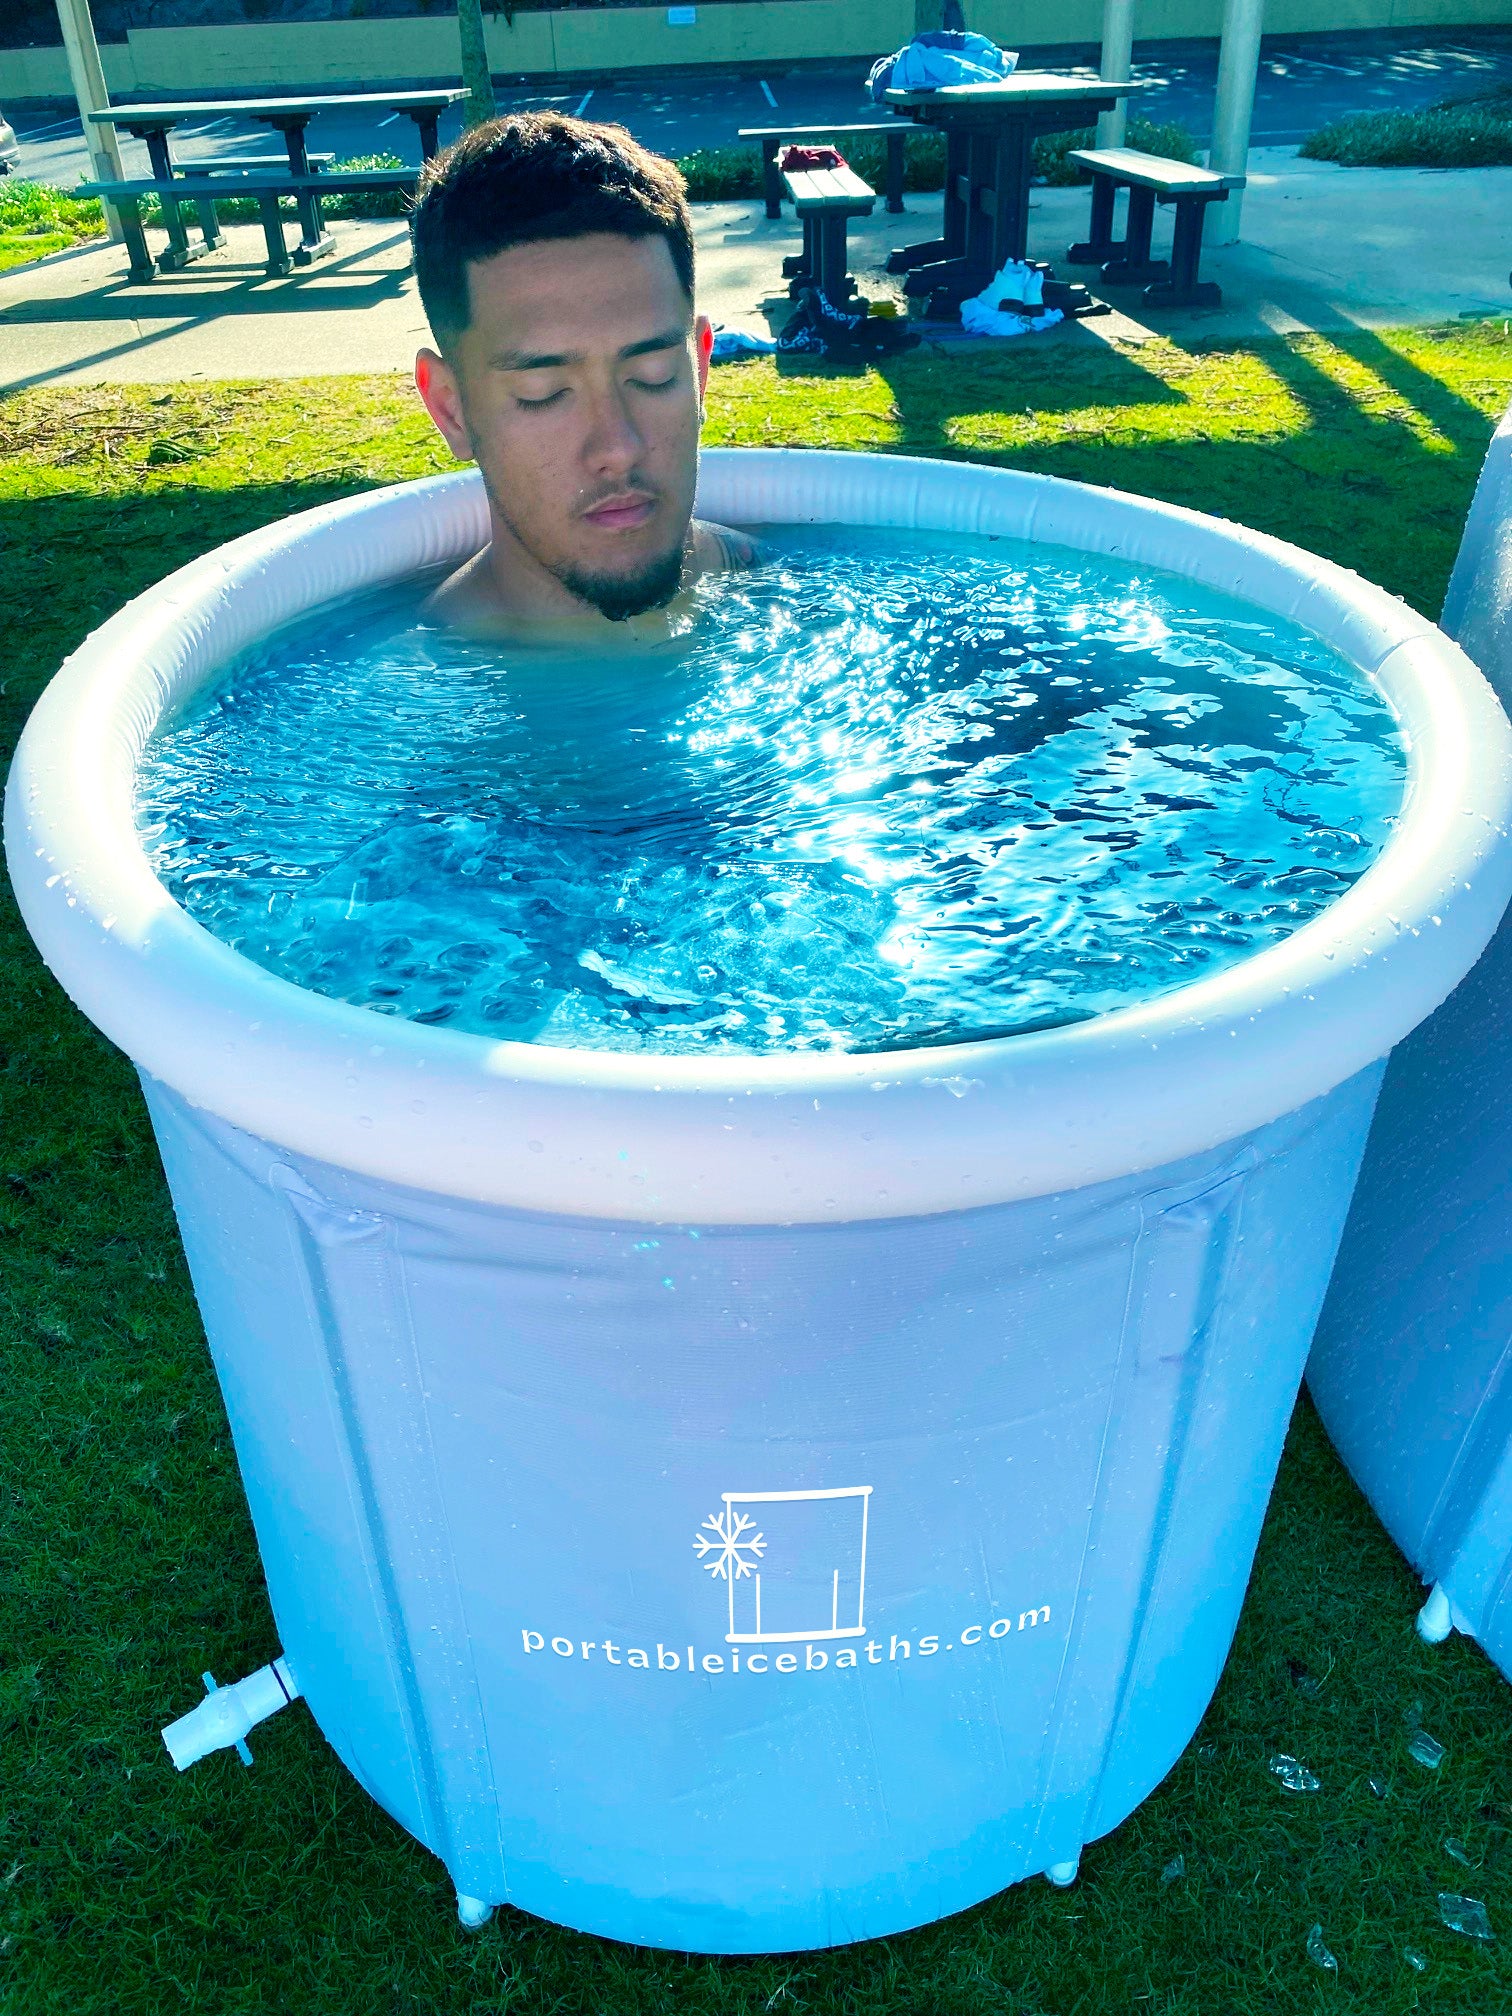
738	1139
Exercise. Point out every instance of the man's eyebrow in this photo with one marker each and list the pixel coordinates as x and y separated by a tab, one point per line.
546	360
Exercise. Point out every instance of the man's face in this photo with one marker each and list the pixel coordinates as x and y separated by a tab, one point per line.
577	388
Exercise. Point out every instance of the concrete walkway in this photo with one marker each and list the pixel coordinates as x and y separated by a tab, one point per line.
1324	248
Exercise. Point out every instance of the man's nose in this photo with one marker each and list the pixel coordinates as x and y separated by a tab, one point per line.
614	444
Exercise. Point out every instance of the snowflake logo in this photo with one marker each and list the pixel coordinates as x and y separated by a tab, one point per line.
728	1537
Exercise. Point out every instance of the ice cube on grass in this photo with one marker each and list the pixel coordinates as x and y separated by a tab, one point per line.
1318	1952
1294	1776
1425	1750
1466	1915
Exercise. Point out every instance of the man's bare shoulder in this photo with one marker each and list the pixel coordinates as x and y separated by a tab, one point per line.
465	597
720	549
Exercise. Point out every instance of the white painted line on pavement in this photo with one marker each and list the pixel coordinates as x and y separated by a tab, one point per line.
46	132
766	92
582	105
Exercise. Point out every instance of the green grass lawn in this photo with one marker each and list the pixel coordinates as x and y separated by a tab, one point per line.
36	218
128	1561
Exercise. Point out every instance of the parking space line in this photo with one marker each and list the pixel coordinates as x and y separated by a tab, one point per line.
47	132
582	105
766	92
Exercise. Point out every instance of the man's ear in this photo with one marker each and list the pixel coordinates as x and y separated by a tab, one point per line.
436	382
703	344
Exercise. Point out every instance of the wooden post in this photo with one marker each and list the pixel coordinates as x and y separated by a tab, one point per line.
476	74
1238	67
87	75
1116	65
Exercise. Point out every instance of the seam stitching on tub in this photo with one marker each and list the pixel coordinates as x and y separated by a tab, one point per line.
1189	1380
302	1196
1493	1394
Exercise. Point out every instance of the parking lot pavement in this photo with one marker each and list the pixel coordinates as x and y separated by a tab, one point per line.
1304	81
1324	248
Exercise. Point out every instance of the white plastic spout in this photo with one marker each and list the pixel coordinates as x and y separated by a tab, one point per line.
226	1714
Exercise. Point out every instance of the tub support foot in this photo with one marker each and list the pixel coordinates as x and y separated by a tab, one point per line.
1063	1874
1434	1622
472	1912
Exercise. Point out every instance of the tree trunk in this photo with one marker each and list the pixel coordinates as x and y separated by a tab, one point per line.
475	71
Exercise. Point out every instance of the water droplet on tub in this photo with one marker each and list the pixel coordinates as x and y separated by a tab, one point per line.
1466	1915
646	1245
1294	1776
536	1147
1415	1960
364	1119
1318	1953
417	1105
1425	1750
1173	1871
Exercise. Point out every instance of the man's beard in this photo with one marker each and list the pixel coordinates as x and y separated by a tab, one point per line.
620	595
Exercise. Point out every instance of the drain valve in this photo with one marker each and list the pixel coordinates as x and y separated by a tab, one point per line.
227	1713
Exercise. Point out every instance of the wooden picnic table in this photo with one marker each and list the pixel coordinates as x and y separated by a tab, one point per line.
290	116
990	131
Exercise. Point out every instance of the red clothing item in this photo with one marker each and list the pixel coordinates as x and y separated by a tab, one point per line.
793	158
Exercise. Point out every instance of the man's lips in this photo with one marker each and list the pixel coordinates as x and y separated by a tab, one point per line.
621	514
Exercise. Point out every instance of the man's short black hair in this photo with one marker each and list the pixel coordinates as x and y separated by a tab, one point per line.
533	176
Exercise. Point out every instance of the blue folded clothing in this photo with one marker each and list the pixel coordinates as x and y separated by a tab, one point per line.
941	56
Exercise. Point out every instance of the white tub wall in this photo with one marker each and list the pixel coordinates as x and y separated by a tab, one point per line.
251	1281
778	1137
1076	1400
1412	1370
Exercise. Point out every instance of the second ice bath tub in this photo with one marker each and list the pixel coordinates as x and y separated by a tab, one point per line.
742	1502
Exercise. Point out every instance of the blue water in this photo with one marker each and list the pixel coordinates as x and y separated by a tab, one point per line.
882	790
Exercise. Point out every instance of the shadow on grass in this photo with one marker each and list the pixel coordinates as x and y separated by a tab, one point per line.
948	381
1362	487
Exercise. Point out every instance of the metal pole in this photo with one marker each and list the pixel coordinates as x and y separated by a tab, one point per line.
1116	66
1238	67
87	75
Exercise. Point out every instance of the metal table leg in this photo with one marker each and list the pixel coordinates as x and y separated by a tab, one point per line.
1008	155
179	252
427	122
895	166
1136	266
129	210
771	186
1099	245
270	217
1184	289
314	239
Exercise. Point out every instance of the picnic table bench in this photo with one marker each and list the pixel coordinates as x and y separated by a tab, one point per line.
772	138
825	200
204	190
289	116
1150	179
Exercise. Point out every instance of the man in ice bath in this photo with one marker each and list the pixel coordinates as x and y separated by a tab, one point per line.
555	264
